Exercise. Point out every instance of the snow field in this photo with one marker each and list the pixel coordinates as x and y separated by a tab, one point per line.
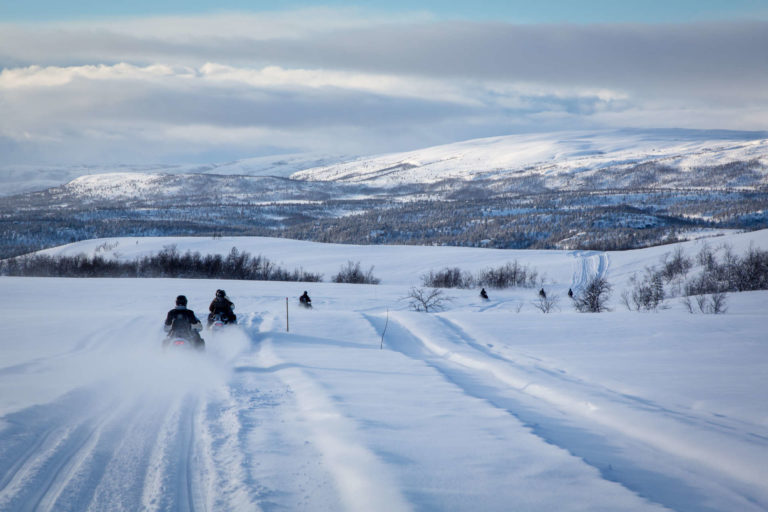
480	407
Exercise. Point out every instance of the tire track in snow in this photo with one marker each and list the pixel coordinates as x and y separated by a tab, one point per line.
566	412
54	457
361	478
165	487
221	434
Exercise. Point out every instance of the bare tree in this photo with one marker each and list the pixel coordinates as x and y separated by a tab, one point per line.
717	303
427	300
594	298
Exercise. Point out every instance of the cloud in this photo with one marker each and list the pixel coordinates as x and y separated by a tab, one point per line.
339	81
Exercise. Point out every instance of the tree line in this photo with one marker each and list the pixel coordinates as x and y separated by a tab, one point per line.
168	262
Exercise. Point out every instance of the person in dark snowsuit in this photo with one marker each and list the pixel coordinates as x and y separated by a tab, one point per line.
570	293
183	323
222	306
483	294
305	301
542	294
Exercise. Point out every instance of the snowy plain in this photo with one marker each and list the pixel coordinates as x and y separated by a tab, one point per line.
364	405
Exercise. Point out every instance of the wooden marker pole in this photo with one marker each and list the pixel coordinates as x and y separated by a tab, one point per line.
287	329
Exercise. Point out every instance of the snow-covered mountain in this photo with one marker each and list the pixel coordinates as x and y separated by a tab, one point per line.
361	404
554	156
608	190
19	178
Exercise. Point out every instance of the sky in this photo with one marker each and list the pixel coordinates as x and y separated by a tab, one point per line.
97	83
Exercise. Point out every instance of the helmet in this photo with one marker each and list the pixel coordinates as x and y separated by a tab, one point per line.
221	293
181	300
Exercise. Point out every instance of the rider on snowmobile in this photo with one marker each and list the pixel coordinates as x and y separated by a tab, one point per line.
222	306
183	323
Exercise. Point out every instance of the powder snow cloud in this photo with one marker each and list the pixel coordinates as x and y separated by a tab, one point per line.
235	85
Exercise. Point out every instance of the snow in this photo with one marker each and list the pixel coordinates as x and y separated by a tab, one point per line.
478	407
18	179
547	154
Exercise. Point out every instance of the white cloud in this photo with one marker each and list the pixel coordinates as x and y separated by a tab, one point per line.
305	79
53	76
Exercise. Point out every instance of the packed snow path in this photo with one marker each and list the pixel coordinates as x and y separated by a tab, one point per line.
480	407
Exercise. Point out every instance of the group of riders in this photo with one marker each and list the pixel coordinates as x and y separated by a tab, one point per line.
181	322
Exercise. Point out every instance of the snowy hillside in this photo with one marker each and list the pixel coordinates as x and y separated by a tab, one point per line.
548	154
364	405
19	179
585	190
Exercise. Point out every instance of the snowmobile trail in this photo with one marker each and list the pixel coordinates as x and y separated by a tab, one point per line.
606	428
359	477
588	265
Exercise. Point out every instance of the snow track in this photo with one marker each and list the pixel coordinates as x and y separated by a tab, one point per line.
362	480
588	265
562	409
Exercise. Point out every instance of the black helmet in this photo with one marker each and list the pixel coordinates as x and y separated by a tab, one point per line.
221	293
181	300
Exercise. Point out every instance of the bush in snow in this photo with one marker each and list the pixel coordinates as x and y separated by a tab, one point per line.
713	304
427	300
508	275
352	273
448	278
676	264
731	273
647	293
545	303
594	297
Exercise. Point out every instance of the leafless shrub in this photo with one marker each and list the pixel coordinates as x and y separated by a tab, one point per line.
546	303
352	273
701	301
676	264
448	278
647	293
687	303
714	304
508	275
594	298
717	303
432	299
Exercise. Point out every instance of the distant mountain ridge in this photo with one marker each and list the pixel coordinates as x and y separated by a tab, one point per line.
548	154
22	179
585	190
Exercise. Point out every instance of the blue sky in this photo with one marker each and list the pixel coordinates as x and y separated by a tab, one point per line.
519	11
195	82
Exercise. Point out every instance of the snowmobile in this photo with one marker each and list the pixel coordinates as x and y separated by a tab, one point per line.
216	321
181	340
